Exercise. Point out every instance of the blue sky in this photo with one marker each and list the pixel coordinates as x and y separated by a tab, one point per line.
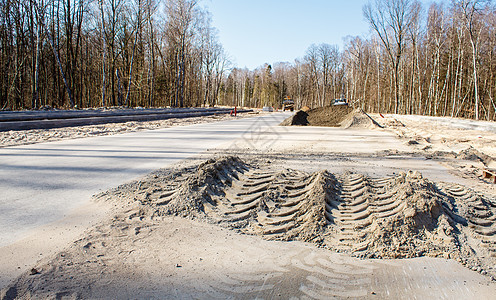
254	32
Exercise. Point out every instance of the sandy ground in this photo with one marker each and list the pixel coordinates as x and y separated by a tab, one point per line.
437	136
50	182
176	258
252	223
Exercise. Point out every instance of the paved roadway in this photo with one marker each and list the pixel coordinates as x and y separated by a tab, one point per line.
24	120
41	183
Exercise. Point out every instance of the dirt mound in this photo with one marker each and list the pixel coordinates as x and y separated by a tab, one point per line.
203	187
400	217
329	116
185	192
332	116
359	119
284	205
473	154
403	216
299	118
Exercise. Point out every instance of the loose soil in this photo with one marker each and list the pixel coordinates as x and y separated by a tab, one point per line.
331	116
437	139
277	222
300	118
403	216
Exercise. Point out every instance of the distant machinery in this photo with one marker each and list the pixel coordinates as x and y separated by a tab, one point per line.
288	104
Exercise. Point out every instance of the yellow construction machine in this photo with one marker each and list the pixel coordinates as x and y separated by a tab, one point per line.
287	104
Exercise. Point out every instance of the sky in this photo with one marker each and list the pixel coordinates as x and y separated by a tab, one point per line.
255	32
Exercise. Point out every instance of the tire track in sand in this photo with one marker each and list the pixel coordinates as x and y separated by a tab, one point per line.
300	273
402	216
480	214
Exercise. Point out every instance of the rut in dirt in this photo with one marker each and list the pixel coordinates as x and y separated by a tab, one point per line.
402	216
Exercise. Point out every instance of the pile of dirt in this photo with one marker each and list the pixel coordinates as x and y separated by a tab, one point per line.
473	154
185	192
236	195
359	119
403	216
300	118
331	116
289	205
415	223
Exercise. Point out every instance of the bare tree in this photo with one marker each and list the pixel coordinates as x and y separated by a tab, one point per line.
329	57
391	20
312	58
55	52
471	11
180	18
137	26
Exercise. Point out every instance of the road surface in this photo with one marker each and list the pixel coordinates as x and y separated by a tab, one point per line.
25	120
42	183
212	259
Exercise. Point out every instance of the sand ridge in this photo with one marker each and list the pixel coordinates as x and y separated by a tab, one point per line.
332	116
403	216
396	217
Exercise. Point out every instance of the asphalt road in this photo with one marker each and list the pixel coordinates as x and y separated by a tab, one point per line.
42	183
24	120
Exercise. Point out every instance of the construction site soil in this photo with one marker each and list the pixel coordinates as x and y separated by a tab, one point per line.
331	116
403	215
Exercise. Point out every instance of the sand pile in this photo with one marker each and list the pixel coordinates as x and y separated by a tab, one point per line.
236	195
287	205
329	116
300	118
359	119
399	217
332	116
403	216
185	192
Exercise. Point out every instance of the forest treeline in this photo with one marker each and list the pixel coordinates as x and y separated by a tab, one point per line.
89	53
437	60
